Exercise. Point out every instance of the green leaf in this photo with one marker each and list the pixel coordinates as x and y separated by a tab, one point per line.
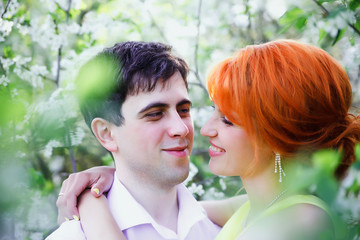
295	17
8	52
326	160
322	34
300	23
336	11
327	189
323	1
357	151
339	35
291	15
354	4
354	188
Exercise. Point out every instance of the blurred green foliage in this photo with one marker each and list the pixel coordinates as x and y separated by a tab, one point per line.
43	44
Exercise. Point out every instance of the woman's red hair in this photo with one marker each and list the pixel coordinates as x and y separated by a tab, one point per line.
290	95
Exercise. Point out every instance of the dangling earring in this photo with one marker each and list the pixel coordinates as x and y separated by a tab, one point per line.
278	165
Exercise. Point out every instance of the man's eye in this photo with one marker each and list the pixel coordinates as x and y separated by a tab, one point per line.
153	116
226	121
184	111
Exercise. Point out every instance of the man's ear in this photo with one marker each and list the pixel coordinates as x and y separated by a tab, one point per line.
102	131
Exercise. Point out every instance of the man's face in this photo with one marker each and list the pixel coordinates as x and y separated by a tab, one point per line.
156	138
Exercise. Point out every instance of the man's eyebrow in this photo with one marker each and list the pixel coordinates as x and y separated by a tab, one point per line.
183	102
154	105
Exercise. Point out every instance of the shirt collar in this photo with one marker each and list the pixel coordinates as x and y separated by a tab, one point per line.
129	213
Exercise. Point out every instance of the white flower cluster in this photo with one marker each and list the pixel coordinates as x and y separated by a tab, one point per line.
213	193
340	21
196	189
193	171
33	75
349	203
100	26
71	63
201	115
4	80
42	31
47	151
5	28
77	136
222	183
64	4
11	10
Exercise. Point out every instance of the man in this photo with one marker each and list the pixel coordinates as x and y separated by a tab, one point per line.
134	98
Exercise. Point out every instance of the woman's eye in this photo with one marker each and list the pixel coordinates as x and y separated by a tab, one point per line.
226	121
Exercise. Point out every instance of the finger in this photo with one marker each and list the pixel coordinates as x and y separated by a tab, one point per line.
67	200
100	186
61	203
78	183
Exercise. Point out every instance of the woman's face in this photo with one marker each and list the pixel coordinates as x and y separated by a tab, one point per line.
231	152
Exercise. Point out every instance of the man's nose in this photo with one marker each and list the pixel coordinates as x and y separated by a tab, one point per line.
178	127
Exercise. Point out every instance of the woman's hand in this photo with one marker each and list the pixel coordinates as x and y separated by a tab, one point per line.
96	219
99	179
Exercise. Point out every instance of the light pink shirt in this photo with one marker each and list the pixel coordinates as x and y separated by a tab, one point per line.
137	224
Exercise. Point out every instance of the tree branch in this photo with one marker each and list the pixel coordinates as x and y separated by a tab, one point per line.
326	12
41	75
71	152
68	11
196	71
58	66
6	8
198	84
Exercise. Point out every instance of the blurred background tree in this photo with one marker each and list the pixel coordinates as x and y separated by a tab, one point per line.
43	44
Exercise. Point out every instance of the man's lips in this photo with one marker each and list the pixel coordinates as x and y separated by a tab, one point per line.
179	151
179	148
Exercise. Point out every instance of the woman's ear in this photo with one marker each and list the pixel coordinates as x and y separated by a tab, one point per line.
102	131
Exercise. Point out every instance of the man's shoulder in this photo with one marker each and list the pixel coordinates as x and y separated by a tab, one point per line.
70	230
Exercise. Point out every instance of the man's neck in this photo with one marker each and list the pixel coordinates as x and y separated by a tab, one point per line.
159	201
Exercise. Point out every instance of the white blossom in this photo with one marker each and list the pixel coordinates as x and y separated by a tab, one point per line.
4	80
5	28
222	184
47	151
241	20
196	189
20	60
42	31
68	28
193	171
14	93
39	70
11	10
201	115
50	5
23	30
6	63
77	136
34	79
213	193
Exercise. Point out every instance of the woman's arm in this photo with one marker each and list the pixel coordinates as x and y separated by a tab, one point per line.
219	211
96	218
99	179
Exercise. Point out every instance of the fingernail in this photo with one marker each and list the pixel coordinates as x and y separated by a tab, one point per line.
76	218
66	219
96	190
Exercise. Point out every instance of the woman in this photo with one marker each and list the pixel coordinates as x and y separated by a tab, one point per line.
272	102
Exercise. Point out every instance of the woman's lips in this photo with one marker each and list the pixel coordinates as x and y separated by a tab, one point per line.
215	151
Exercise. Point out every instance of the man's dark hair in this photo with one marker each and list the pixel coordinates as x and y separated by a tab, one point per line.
127	68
